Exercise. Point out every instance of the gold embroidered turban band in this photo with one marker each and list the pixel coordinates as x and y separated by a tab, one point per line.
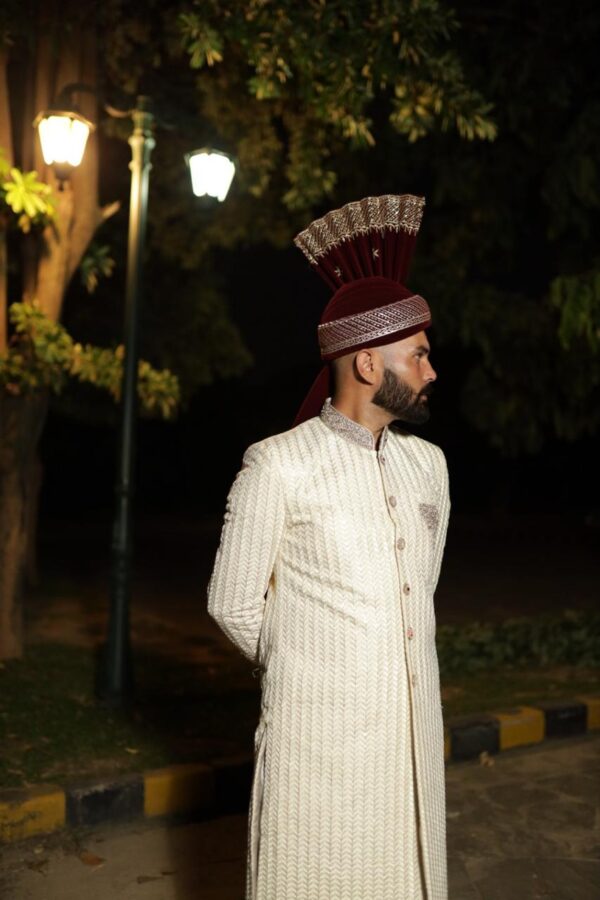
363	252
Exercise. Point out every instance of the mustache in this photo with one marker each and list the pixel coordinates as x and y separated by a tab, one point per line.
427	391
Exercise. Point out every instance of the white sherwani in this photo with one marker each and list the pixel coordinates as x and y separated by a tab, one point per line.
329	558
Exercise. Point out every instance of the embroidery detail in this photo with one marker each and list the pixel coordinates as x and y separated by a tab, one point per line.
368	326
431	514
391	212
350	429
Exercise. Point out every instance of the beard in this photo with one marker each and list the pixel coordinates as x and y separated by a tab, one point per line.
400	401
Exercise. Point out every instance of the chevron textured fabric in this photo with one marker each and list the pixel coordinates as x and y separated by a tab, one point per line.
329	557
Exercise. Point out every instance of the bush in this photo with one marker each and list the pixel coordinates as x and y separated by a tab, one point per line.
572	638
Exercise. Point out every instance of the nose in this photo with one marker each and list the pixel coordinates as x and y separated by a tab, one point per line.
430	373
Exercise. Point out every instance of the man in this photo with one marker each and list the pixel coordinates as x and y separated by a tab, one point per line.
329	558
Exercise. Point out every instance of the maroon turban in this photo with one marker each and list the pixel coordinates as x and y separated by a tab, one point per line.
363	251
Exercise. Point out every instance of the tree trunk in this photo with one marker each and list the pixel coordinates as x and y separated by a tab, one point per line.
6	148
34	480
53	58
21	423
78	215
3	291
6	140
12	551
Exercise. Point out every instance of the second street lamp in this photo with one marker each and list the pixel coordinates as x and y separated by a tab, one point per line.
63	135
212	172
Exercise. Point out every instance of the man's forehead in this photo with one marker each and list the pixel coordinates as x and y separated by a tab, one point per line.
416	341
413	341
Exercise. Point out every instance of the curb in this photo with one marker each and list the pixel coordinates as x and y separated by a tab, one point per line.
466	737
223	787
192	789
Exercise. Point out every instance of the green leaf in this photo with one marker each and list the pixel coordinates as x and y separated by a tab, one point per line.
29	199
96	264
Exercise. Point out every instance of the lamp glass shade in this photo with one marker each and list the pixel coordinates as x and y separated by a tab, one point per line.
63	136
212	173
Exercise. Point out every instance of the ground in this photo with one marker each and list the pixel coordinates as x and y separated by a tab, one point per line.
196	697
526	827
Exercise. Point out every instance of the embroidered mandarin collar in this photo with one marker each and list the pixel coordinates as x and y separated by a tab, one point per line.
349	429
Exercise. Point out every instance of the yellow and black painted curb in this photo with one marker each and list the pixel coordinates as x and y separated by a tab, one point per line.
466	737
192	789
223	787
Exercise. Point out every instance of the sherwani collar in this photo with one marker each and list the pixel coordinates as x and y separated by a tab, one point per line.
349	429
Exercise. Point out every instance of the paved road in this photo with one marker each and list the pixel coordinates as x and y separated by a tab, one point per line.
525	828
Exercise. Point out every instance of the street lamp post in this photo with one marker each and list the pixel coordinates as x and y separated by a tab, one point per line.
118	671
63	135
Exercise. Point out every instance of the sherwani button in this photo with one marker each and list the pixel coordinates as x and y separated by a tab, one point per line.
406	589
393	501
410	634
400	543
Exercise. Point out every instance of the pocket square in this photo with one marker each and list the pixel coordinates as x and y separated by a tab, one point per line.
431	514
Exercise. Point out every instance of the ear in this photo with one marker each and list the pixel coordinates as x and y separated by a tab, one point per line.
366	367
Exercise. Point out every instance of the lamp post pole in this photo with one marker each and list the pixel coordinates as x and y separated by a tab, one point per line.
117	677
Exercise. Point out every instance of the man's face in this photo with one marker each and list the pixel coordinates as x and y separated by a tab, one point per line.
407	380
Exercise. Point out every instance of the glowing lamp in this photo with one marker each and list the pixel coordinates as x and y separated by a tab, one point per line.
212	172
63	136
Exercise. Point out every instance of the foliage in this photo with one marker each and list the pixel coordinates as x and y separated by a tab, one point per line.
572	639
509	254
291	90
316	69
523	384
96	264
28	199
61	731
324	102
335	98
195	318
43	356
577	297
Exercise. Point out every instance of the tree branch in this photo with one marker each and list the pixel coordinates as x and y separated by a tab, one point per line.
105	212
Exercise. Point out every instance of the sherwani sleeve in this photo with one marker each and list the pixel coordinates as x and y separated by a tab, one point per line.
444	513
252	531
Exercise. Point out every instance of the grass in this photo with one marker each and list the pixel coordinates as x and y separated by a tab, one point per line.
503	688
52	729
